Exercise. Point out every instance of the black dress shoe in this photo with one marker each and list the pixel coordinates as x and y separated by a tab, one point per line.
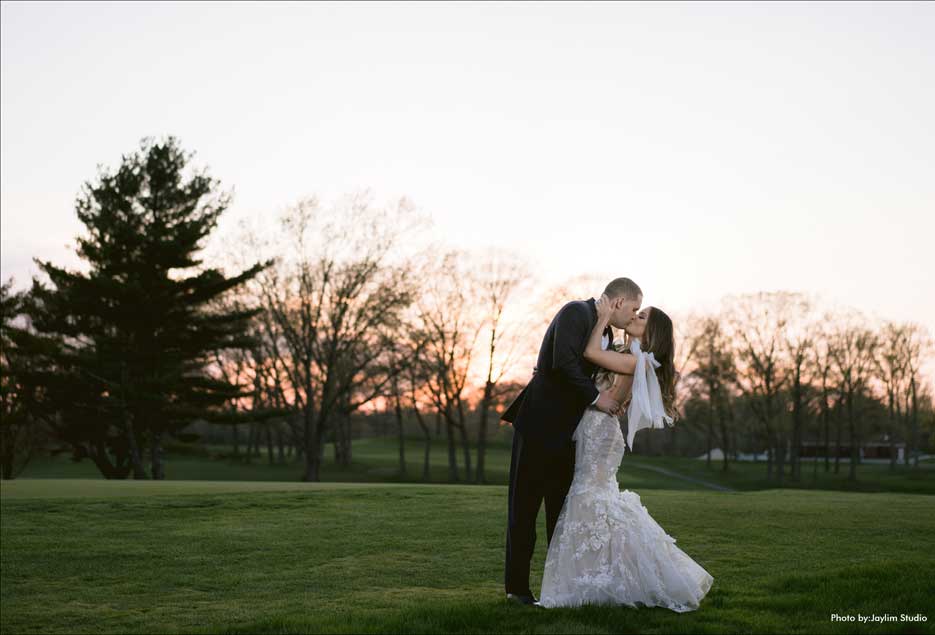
525	600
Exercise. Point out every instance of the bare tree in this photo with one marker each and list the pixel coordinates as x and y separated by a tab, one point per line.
405	354
254	366
335	299
853	353
918	347
798	340
712	377
688	338
499	277
396	397
415	380
891	366
452	326
822	373
757	322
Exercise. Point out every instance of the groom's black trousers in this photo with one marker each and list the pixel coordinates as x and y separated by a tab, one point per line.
535	473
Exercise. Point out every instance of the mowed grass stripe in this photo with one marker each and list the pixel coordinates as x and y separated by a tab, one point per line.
376	459
97	488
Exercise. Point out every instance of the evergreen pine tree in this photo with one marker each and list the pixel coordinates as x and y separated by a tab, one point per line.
137	337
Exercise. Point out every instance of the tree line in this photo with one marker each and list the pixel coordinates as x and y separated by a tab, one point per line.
327	311
775	370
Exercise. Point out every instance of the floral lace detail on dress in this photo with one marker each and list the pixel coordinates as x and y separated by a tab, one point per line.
606	548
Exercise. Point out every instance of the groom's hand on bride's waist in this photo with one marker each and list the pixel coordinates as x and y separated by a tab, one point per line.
606	403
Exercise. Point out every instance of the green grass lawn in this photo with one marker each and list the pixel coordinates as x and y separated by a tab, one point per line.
95	556
376	460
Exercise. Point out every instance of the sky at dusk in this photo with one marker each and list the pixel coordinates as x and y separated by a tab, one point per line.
702	149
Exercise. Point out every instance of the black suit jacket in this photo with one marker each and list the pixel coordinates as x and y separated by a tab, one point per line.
562	386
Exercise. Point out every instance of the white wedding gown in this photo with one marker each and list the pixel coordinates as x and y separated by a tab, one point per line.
606	548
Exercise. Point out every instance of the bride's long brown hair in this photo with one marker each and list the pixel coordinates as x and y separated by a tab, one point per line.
659	339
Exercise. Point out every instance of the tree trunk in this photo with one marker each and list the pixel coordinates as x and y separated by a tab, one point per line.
855	449
98	454
915	423
136	461
428	445
269	444
465	444
724	437
155	456
312	450
770	450
337	437
482	432
426	432
321	444
754	445
892	431
399	426
780	457
797	417
837	439
815	458
825	418
280	444
347	437
428	450
709	432
910	440
452	454
257	433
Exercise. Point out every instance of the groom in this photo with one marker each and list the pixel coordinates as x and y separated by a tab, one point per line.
544	416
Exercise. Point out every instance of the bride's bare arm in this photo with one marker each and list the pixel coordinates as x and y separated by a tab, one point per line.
611	360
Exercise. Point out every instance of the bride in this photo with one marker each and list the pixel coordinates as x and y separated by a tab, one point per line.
606	548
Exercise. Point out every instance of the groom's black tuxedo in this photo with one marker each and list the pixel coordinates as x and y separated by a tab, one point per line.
544	417
550	406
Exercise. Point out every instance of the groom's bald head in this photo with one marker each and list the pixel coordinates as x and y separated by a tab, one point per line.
623	288
630	296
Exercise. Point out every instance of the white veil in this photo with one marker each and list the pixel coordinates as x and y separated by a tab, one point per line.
646	409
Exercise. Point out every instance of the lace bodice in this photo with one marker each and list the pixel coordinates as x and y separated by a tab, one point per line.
599	449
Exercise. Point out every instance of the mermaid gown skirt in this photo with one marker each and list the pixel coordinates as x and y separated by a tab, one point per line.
606	548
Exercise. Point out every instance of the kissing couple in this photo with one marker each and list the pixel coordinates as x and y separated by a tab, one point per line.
603	546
